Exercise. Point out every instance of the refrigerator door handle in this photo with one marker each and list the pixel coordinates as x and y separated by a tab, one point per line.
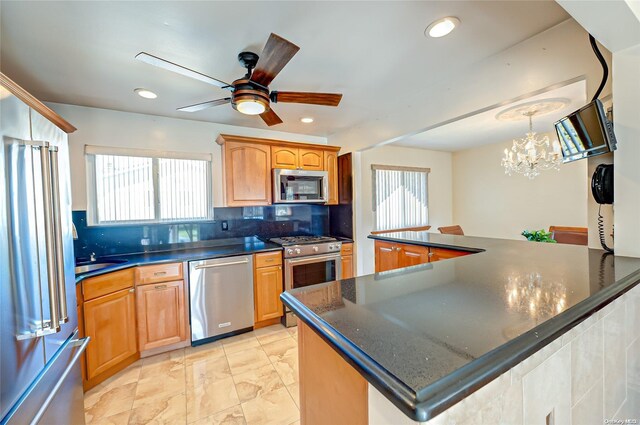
57	222
45	160
82	343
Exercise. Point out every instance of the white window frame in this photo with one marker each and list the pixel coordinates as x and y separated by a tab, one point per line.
92	202
374	185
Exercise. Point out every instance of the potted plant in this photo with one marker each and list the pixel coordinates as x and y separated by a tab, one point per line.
538	236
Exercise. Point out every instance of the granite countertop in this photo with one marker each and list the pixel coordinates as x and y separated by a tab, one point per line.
186	252
428	336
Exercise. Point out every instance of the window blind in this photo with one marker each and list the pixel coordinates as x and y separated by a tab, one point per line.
154	188
400	197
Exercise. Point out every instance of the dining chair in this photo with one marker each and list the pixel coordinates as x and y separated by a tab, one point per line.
451	230
570	235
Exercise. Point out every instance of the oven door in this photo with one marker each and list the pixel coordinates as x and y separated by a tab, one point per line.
300	186
300	272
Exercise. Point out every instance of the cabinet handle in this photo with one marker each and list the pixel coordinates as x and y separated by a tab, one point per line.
159	273
161	286
431	254
132	290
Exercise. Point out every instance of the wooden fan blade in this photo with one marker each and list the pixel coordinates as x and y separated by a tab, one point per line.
326	99
204	105
173	67
270	118
275	55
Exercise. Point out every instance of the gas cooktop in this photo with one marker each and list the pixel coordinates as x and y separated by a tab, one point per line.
302	240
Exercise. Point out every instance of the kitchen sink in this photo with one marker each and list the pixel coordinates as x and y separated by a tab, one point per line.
90	267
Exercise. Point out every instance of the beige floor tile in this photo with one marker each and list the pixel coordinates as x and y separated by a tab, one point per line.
247	360
110	402
129	375
212	369
171	358
271	333
207	351
272	408
230	416
251	384
206	396
159	383
294	390
117	419
240	342
162	410
293	331
283	355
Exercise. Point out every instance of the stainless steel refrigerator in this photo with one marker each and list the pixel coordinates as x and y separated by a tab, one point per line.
40	377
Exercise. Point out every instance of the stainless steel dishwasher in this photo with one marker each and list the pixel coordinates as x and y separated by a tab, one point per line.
221	295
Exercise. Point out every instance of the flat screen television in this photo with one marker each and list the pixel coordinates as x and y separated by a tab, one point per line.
586	132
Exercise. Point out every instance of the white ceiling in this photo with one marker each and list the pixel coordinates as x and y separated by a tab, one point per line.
483	128
374	52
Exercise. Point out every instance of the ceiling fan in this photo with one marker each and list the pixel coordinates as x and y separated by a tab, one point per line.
250	94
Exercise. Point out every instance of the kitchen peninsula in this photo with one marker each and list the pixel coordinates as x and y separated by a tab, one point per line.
476	338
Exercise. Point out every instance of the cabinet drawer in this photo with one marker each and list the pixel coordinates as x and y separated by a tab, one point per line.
98	286
347	249
267	259
158	273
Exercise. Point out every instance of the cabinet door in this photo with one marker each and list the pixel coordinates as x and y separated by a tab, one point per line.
331	166
247	174
437	254
386	256
268	287
311	159
347	266
412	255
110	321
284	157
161	314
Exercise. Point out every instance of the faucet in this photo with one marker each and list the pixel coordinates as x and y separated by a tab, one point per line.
74	231
92	257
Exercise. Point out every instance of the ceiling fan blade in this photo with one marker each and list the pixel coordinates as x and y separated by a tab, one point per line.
204	105
270	118
326	99
170	66
275	55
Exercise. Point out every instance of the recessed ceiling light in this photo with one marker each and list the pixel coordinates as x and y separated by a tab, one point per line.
147	94
442	27
306	120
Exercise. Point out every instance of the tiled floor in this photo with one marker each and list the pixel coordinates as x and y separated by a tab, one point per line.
247	379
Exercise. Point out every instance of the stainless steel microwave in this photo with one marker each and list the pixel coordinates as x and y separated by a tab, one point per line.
300	186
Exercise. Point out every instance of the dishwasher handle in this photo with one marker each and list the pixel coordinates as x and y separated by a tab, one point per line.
210	266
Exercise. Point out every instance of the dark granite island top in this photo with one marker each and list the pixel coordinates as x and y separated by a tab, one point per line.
430	335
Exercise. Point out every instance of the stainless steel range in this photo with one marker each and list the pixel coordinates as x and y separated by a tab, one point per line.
309	260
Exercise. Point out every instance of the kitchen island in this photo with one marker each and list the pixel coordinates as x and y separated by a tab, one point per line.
518	332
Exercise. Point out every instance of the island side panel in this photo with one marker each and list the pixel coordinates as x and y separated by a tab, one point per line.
331	391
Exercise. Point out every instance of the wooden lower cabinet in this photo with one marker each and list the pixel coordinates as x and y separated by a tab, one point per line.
110	321
267	290
392	255
347	260
160	308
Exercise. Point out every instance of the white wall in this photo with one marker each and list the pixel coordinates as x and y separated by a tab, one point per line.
104	127
487	202
439	192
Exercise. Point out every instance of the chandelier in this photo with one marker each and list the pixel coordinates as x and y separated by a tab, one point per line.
532	154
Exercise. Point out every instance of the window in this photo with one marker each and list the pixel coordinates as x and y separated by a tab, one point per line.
399	197
134	185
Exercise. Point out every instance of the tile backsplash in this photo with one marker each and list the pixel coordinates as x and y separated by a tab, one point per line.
271	221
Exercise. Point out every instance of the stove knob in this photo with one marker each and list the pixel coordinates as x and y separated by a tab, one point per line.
315	249
290	251
297	250
331	247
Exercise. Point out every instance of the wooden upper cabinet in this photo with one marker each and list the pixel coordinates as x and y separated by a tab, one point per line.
110	322
161	314
311	159
331	166
247	171
284	157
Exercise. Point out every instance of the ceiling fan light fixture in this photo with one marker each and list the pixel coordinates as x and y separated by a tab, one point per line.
306	120
442	27
147	94
250	107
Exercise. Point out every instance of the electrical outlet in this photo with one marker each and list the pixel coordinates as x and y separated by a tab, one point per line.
225	225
